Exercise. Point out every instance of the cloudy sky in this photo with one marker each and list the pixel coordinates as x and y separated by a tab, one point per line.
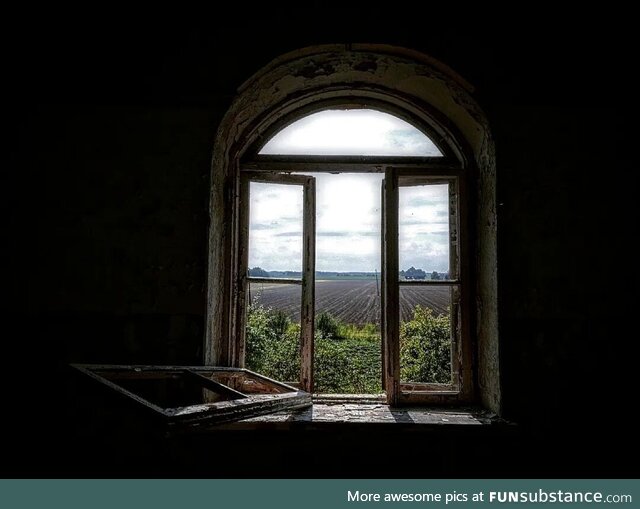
348	205
351	132
348	225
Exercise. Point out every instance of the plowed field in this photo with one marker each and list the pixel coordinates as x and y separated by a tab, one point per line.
356	302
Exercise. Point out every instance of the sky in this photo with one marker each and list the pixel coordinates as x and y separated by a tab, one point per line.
351	132
348	205
347	225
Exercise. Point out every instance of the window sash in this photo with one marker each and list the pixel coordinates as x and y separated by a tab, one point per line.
397	391
398	175
307	308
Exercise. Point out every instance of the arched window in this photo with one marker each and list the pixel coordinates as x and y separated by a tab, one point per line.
344	248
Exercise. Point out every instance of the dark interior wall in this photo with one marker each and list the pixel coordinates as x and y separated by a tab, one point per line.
106	196
114	228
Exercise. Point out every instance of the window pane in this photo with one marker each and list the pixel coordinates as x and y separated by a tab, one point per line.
423	230
425	334
351	132
273	331
275	230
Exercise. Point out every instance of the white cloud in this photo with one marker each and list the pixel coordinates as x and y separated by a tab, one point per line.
348	225
351	132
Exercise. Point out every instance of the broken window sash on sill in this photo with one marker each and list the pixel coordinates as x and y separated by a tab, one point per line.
181	397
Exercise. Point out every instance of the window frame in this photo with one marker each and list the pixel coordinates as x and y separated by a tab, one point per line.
396	170
461	388
307	281
395	79
257	396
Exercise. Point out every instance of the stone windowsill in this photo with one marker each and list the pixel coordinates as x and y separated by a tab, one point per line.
327	415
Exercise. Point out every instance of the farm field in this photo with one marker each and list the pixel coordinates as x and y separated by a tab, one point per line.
354	301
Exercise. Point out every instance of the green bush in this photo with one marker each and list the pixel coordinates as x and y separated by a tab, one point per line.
326	325
279	322
272	344
425	347
258	335
282	358
348	366
347	357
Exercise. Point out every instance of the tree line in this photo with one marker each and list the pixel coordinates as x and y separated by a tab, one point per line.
410	273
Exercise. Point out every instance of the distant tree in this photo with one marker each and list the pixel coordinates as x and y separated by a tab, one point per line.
258	272
413	273
435	275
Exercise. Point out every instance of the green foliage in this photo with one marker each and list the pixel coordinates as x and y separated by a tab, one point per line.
282	359
368	331
279	322
347	357
258	336
272	344
347	366
326	325
425	347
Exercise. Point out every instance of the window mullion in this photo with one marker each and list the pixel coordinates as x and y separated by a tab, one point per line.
391	310
307	317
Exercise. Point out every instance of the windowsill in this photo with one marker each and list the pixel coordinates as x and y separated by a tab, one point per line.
332	399
327	415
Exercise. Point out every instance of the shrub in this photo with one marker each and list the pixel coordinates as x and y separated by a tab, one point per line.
327	326
349	366
353	364
425	347
272	343
279	322
282	356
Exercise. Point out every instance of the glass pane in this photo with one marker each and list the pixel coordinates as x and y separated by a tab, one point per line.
351	132
423	230
275	230
425	334
273	331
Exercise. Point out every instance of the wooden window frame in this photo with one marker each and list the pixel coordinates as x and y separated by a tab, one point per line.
435	99
397	171
240	394
460	390
307	305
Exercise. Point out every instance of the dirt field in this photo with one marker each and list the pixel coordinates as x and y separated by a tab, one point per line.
356	302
